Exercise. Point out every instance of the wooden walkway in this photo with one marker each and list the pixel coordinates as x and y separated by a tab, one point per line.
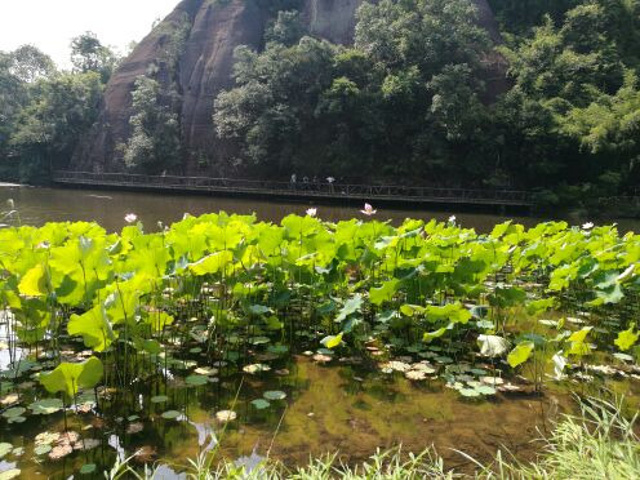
299	190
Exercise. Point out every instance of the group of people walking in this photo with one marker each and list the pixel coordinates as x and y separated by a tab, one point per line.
314	184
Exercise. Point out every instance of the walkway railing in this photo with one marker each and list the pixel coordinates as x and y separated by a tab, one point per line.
298	189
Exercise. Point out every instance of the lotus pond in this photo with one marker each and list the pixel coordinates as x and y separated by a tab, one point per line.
255	339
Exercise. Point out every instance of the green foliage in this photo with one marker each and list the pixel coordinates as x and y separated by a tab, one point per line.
60	111
411	98
45	112
380	106
154	144
88	54
347	284
520	354
68	378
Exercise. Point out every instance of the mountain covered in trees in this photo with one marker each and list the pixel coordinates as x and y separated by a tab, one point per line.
535	94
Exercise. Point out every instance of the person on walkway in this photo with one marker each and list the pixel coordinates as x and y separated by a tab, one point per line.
330	181
292	183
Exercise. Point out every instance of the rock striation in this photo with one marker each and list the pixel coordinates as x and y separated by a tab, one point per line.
204	67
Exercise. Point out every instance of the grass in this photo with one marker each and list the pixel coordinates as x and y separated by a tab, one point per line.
600	443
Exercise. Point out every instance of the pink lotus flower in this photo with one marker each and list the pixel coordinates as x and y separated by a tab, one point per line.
368	210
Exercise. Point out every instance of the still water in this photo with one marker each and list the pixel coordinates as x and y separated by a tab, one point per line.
37	206
40	205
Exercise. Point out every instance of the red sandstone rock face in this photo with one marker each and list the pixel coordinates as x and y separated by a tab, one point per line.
205	67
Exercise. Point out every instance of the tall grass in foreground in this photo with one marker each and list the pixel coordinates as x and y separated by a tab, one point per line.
600	443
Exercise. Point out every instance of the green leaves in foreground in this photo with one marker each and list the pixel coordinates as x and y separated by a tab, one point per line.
70	377
520	354
332	341
627	338
34	283
95	328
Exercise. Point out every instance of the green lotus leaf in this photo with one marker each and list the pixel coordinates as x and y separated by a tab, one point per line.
171	414
94	327
46	406
70	377
260	403
196	380
332	341
5	448
520	354
274	395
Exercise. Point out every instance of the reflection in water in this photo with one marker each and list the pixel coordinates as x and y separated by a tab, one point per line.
328	408
40	205
9	351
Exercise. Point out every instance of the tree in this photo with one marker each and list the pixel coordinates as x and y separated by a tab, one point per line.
154	144
272	109
29	64
88	54
609	129
59	112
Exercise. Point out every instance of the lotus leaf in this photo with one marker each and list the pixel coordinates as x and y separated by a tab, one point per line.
70	377
274	395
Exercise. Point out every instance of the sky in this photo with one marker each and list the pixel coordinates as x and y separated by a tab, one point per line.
51	24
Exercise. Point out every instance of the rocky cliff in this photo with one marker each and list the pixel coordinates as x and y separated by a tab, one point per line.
203	67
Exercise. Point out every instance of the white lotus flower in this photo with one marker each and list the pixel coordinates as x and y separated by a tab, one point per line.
130	217
452	219
368	210
587	226
312	212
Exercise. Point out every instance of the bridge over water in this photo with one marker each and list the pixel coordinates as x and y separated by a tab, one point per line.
300	190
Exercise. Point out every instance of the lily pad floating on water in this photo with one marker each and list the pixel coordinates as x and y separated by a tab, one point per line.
492	380
469	392
10	399
5	448
170	414
260	403
42	449
625	357
278	349
47	438
256	368
274	395
196	380
416	375
60	451
208	371
225	416
396	366
260	340
159	399
486	390
320	358
88	468
10	474
14	415
46	406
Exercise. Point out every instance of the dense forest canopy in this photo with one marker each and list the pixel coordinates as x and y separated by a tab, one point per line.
414	99
45	111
